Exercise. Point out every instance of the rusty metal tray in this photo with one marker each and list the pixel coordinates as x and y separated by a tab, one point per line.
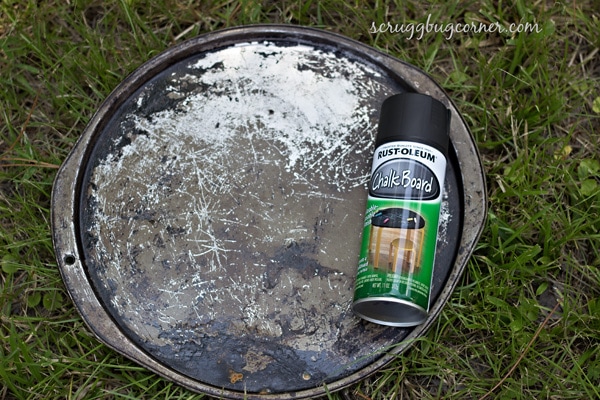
207	223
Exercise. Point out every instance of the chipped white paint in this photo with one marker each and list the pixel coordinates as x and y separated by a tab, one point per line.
445	219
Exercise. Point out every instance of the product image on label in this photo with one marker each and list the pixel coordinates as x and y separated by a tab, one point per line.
395	241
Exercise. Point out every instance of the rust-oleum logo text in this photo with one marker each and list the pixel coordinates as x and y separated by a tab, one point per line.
406	151
404	179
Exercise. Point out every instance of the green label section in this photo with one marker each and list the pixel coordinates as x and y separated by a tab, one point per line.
398	250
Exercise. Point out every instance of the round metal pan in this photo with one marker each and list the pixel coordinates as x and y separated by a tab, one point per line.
207	223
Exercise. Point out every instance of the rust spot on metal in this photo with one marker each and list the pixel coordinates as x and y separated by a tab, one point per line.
235	377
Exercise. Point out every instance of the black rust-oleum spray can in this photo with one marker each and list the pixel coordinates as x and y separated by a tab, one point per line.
403	207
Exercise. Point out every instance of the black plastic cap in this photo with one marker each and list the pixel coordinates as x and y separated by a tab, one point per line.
414	117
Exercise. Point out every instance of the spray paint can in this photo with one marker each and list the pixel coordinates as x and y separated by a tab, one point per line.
395	267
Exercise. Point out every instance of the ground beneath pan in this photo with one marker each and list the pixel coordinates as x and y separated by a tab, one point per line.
207	224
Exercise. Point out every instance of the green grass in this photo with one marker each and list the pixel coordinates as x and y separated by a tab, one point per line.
525	320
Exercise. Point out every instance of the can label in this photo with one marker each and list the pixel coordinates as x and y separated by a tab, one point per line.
401	223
